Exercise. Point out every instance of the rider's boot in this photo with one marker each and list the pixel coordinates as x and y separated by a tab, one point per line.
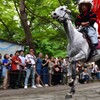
94	50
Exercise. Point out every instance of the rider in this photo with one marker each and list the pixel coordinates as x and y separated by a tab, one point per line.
86	20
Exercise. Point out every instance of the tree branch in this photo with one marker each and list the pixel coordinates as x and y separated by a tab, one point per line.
6	27
41	17
16	8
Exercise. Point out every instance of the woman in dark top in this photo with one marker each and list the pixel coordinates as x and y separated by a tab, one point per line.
45	70
57	74
39	69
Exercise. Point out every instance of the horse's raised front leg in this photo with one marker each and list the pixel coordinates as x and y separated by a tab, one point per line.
72	83
81	55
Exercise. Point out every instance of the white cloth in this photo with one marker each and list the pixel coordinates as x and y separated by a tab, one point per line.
83	74
30	58
93	35
22	59
94	69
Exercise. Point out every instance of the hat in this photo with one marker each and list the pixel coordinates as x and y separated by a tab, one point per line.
88	3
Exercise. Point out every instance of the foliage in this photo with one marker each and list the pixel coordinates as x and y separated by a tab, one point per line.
48	35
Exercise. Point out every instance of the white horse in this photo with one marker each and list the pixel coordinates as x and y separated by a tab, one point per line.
78	48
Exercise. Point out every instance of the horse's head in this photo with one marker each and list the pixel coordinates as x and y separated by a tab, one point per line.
61	13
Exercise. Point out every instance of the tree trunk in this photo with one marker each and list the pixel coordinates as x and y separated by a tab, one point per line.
24	22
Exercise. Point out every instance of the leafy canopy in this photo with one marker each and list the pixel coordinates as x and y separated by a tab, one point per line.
48	35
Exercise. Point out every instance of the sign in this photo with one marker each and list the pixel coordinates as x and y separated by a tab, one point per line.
9	48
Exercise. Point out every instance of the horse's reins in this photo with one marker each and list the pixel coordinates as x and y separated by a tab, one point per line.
64	16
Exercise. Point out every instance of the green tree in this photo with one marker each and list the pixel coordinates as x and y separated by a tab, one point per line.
47	34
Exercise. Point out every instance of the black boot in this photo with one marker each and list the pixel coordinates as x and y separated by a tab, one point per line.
94	50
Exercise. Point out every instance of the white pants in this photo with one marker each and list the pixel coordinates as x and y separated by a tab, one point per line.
93	35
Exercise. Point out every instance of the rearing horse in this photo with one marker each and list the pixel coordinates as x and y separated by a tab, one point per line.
78	48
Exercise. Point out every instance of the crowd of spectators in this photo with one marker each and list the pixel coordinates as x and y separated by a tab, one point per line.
23	71
87	72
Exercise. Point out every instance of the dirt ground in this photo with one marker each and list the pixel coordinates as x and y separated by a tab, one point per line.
89	91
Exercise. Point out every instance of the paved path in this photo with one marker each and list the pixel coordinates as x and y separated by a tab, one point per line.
89	91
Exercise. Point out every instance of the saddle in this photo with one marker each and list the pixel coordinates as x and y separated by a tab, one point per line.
98	46
85	35
84	32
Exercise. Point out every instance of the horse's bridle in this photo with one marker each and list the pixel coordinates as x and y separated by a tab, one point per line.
64	16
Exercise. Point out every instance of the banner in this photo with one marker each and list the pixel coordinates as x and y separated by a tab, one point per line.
96	9
9	48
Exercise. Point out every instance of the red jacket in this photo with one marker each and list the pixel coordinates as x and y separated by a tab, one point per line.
86	17
96	9
14	64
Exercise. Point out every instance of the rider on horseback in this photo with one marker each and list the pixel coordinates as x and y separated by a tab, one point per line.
86	21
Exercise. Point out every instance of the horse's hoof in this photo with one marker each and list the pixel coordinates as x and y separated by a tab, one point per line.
71	83
68	96
73	92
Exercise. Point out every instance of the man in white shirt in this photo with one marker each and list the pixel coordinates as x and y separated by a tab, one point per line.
30	60
21	56
94	70
21	70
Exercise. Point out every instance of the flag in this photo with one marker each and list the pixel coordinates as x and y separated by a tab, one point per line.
96	9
